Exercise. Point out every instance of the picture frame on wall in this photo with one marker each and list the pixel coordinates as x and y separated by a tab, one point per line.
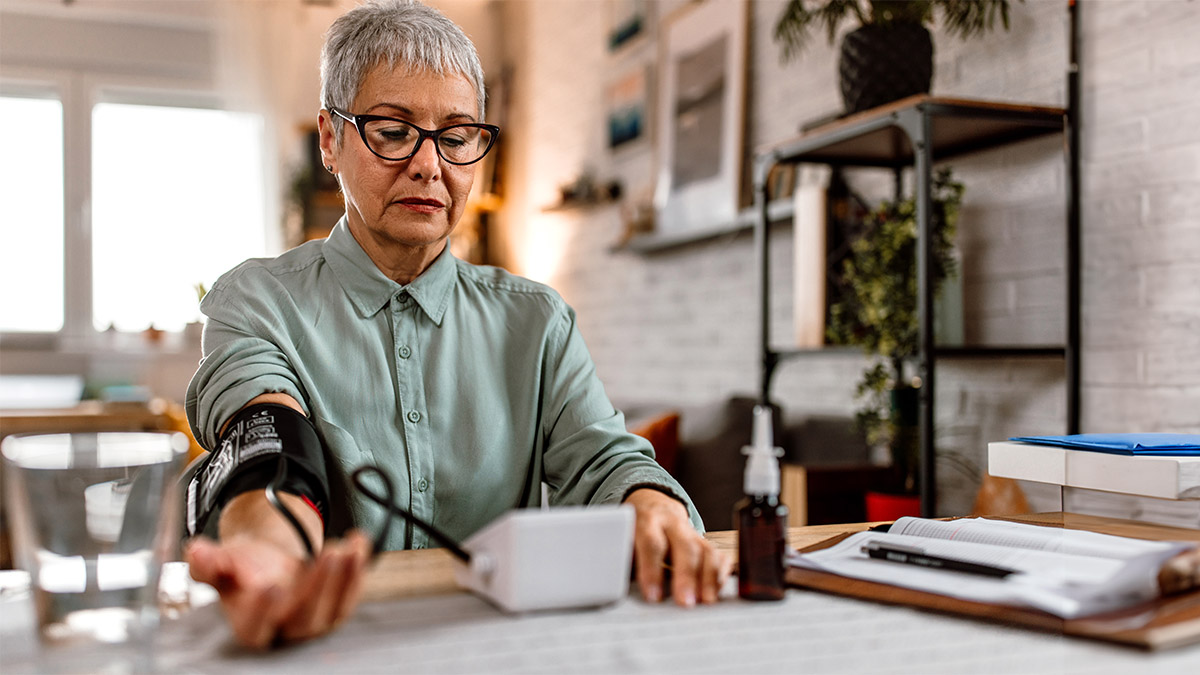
628	20
700	111
627	100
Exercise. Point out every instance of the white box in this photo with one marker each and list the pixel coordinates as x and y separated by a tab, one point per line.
1144	475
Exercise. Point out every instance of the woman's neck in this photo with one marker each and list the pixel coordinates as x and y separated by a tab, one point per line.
399	262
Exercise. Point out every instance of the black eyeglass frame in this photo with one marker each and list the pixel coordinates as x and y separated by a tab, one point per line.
360	121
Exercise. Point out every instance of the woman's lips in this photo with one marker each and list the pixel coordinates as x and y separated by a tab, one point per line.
421	205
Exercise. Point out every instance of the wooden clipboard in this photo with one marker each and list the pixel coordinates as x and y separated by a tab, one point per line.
1164	623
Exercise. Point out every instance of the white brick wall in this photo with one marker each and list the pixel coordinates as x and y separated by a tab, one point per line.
681	325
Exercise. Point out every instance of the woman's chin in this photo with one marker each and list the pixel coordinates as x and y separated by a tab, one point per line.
413	232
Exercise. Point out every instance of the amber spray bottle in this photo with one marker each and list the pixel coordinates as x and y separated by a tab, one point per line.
761	518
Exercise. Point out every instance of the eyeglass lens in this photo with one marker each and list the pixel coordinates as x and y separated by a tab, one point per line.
395	139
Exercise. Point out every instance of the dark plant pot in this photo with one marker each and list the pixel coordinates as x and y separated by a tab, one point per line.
884	63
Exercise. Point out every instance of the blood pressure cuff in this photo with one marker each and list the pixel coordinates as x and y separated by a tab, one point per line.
248	458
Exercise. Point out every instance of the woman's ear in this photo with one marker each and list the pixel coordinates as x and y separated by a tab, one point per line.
329	144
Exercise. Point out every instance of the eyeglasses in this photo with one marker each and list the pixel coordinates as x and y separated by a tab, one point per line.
394	139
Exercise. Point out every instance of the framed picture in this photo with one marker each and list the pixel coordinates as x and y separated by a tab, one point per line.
628	103
627	21
701	105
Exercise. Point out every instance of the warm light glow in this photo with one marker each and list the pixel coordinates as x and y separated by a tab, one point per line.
542	247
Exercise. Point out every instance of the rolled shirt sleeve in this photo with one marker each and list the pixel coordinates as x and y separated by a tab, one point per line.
238	364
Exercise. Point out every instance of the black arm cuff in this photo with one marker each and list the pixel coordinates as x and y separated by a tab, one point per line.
254	441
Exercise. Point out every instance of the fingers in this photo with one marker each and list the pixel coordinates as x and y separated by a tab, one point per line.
328	590
649	555
270	597
254	616
361	544
317	596
252	603
206	561
310	597
713	571
687	556
663	532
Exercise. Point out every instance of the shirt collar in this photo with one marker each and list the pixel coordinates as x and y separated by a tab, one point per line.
370	290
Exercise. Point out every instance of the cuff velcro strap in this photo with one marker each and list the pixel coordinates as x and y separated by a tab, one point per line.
254	441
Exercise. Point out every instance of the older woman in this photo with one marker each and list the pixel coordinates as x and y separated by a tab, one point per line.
468	386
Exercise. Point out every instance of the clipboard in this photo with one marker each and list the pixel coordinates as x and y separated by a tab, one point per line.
1164	623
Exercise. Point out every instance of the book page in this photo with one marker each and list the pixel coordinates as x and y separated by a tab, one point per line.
1068	585
1036	537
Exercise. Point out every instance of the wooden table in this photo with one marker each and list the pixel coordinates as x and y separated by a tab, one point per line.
404	574
407	574
86	417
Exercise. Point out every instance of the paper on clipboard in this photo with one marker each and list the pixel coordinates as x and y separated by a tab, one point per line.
1065	573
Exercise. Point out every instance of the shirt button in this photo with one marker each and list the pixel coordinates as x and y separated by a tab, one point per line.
402	298
405	352
423	485
414	416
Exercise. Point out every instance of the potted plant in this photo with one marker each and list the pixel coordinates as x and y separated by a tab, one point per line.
875	307
890	55
193	331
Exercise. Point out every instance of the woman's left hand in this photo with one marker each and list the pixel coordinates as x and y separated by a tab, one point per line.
664	538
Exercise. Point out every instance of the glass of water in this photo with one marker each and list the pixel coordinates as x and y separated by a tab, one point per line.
93	517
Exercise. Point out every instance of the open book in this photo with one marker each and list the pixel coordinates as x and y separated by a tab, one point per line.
1067	573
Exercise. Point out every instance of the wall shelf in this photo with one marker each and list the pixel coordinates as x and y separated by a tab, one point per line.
1001	352
779	211
876	138
942	352
579	205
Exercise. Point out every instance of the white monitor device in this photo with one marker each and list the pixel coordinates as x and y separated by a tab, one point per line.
561	558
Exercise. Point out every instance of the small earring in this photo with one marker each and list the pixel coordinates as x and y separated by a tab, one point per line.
329	168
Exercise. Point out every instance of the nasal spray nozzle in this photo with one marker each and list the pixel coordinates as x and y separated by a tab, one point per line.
762	466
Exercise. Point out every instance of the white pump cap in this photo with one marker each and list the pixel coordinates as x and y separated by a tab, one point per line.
762	467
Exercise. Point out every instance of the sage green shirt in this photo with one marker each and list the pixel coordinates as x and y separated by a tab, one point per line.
469	387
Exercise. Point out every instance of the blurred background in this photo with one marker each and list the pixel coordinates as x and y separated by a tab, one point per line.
153	145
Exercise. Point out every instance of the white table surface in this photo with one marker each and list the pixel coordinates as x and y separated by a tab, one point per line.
806	633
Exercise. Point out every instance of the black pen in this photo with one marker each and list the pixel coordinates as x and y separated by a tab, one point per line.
915	556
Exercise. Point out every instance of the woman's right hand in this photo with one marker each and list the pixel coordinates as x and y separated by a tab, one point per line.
270	593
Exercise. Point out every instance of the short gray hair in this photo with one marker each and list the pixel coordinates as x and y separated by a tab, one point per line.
397	32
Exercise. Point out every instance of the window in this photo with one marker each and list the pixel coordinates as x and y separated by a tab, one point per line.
178	198
31	215
112	213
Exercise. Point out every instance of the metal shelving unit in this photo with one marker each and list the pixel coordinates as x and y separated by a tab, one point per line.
920	132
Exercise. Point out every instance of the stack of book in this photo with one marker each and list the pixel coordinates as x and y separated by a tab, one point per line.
1165	466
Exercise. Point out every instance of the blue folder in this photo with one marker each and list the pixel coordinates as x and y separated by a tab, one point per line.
1168	445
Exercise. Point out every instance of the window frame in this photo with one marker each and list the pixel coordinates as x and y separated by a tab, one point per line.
79	93
60	85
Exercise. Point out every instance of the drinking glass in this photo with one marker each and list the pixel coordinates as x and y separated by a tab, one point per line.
93	517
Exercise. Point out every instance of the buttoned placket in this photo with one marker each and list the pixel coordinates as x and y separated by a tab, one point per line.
407	320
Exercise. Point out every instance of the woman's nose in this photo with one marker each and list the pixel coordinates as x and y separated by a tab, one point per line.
425	163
